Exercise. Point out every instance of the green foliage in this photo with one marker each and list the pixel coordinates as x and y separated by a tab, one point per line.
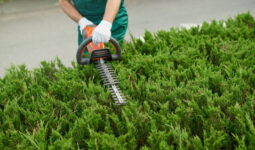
186	89
2	1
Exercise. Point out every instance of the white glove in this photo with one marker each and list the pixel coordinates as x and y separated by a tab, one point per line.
83	22
102	33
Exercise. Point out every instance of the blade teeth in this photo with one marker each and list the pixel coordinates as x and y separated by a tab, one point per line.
118	103
103	69
116	100
111	80
109	76
118	92
108	73
112	83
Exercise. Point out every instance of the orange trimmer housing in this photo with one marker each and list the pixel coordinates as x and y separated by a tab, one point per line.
95	51
91	46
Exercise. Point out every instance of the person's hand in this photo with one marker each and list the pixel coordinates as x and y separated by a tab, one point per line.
102	33
83	22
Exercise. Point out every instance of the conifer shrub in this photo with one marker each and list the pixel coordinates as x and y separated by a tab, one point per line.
186	89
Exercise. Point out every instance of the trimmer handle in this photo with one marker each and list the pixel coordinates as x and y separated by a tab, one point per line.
86	61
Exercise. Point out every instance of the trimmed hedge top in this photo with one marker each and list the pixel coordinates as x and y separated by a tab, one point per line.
186	89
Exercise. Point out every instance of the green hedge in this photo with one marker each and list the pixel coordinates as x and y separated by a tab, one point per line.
186	89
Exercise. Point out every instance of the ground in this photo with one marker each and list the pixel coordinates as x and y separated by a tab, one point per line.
33	30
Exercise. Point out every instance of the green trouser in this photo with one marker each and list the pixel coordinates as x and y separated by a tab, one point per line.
94	10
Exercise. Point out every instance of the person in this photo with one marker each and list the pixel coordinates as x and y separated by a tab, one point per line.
110	16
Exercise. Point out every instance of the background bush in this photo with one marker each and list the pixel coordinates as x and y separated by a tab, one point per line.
186	89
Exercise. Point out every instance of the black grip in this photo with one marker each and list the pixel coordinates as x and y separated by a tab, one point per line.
86	61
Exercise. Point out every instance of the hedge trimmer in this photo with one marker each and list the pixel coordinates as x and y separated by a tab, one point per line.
99	55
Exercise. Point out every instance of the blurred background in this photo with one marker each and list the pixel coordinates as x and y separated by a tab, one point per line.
36	30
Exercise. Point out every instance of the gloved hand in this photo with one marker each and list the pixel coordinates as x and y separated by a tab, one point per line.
102	33
83	22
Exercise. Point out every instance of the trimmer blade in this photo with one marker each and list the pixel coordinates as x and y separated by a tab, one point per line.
110	79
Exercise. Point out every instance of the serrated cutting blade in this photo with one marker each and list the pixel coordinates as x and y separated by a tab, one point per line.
110	79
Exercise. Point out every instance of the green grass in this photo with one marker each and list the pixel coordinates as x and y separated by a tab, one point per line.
186	89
